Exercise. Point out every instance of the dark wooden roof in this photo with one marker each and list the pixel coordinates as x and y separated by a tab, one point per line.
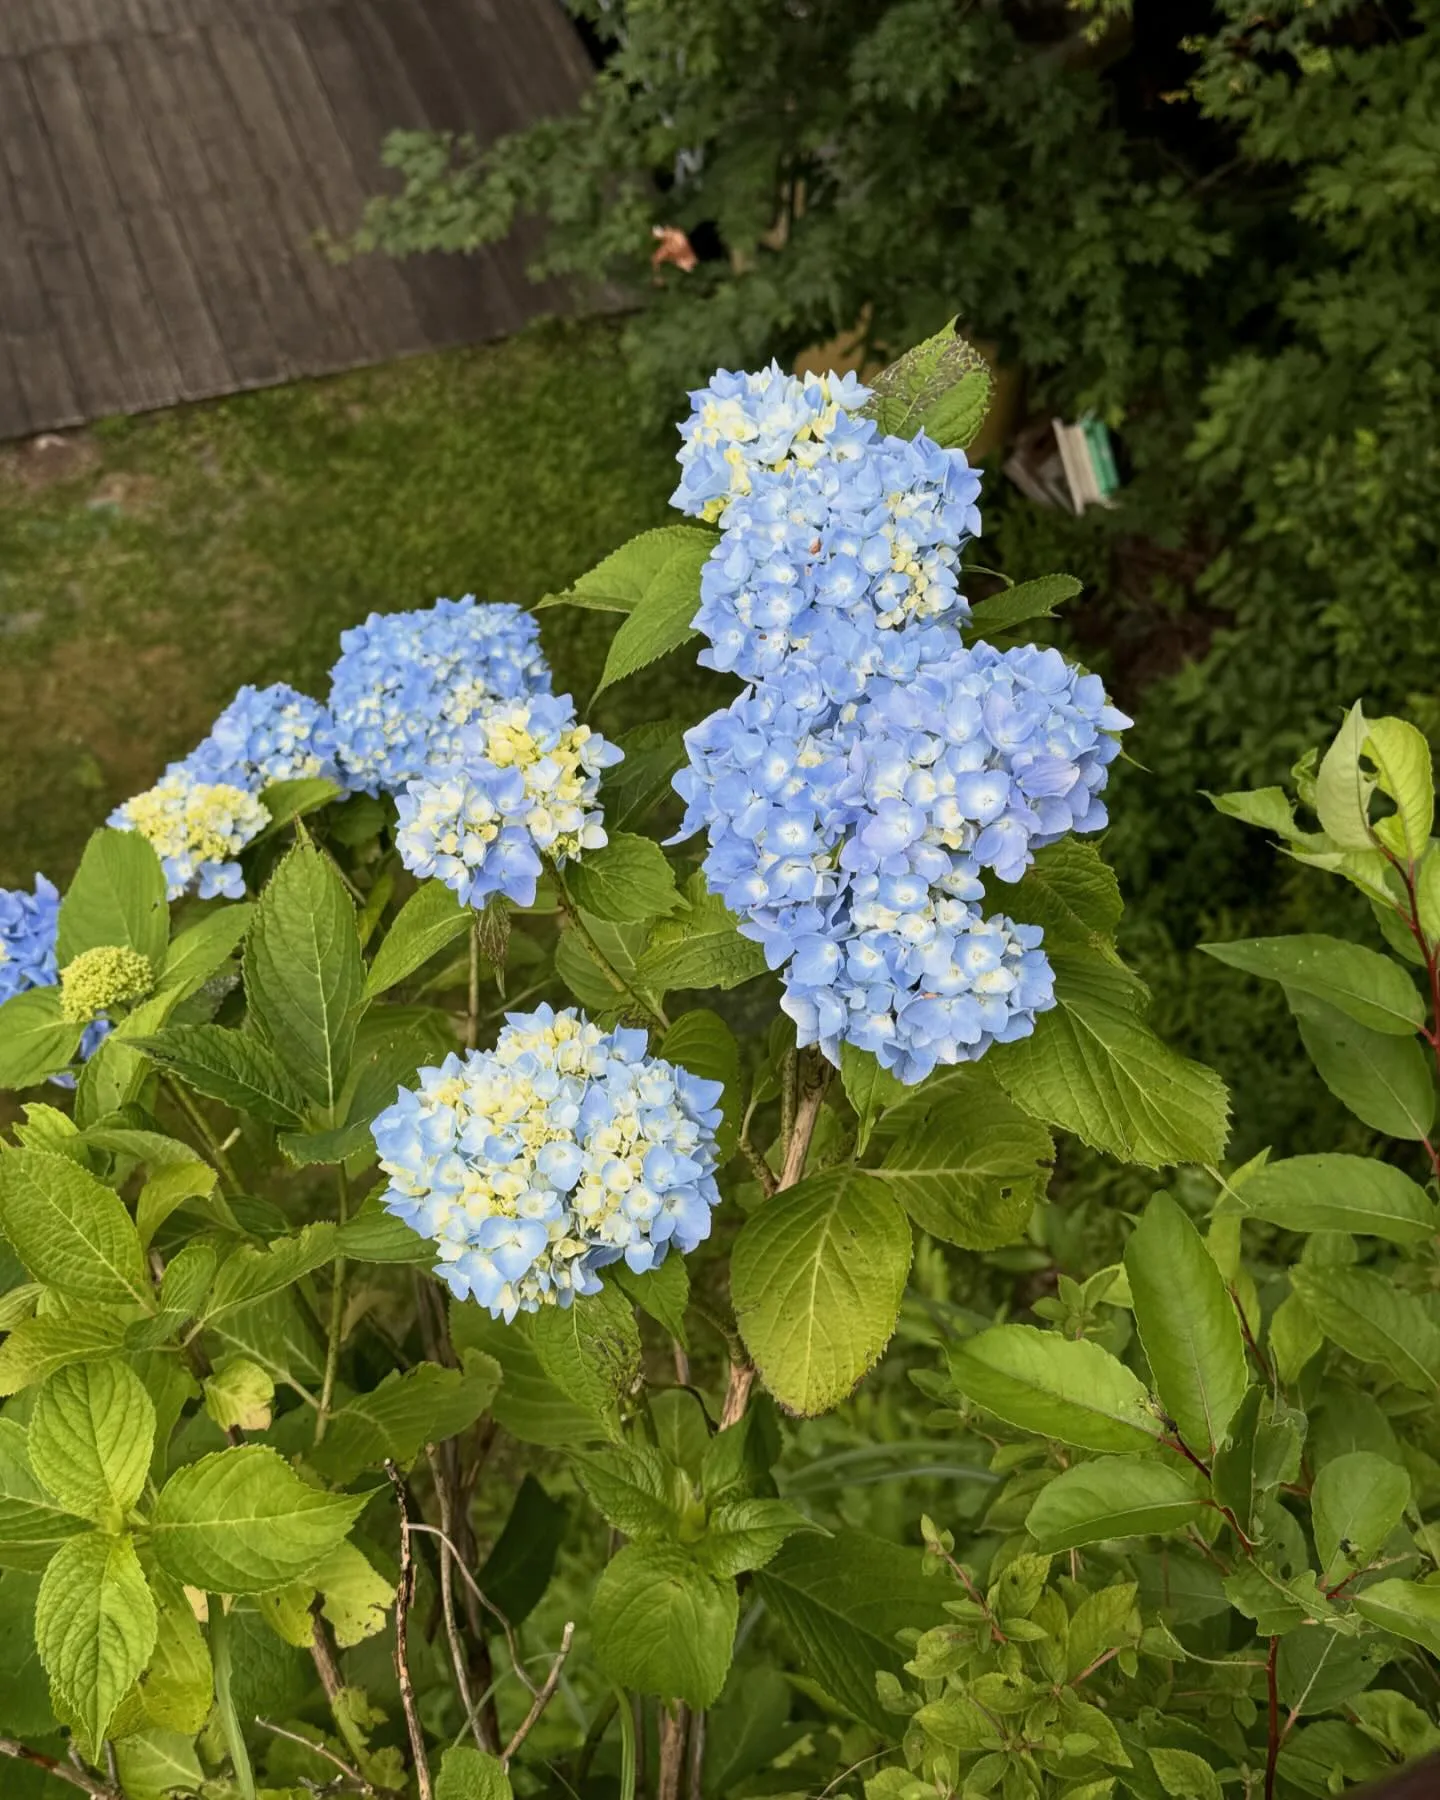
164	165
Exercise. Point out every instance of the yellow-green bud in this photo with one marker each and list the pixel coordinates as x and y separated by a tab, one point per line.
110	975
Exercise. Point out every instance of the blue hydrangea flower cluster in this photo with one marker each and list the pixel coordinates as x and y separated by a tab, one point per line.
876	768
407	683
29	925
196	827
268	734
742	424
525	785
535	1164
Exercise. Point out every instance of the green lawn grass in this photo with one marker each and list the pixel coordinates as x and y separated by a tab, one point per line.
184	553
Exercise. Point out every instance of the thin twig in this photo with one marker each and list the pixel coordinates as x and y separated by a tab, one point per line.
327	1668
694	1789
543	1698
61	1771
1272	1752
202	1127
447	1603
404	1599
352	1775
475	1588
759	1168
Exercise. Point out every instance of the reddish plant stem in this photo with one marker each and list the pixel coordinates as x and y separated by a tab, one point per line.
1262	1361
98	1790
1272	1754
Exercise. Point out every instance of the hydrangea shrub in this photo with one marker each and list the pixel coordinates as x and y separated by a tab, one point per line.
498	1156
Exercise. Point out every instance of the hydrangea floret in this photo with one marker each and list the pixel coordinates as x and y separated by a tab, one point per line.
534	1165
524	788
196	827
110	975
268	734
407	683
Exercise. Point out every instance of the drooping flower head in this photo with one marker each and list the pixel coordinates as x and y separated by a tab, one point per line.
407	683
525	786
264	735
28	924
535	1164
741	424
196	827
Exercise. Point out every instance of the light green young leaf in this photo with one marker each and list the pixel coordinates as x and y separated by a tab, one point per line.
620	582
1336	1192
202	949
1111	1497
304	978
35	1042
660	1625
1357	1500
842	1600
973	1171
355	1597
816	1277
1294	1337
1018	605
869	1088
250	1273
1402	757
70	1230
242	1522
373	1235
37	1347
231	1066
1372	1319
661	622
1064	1388
90	1439
629	1486
1386	1081
179	1686
117	897
32	1523
745	1534
168	1189
1410	1609
627	879
631	790
1268	808
406	1411
467	1774
286	801
95	1626
240	1394
700	949
590	1351
1364	985
429	920
187	1279
153	1764
1187	1323
1094	1067
1343	789
1184	1775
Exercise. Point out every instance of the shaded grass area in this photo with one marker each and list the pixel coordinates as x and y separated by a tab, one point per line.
166	560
